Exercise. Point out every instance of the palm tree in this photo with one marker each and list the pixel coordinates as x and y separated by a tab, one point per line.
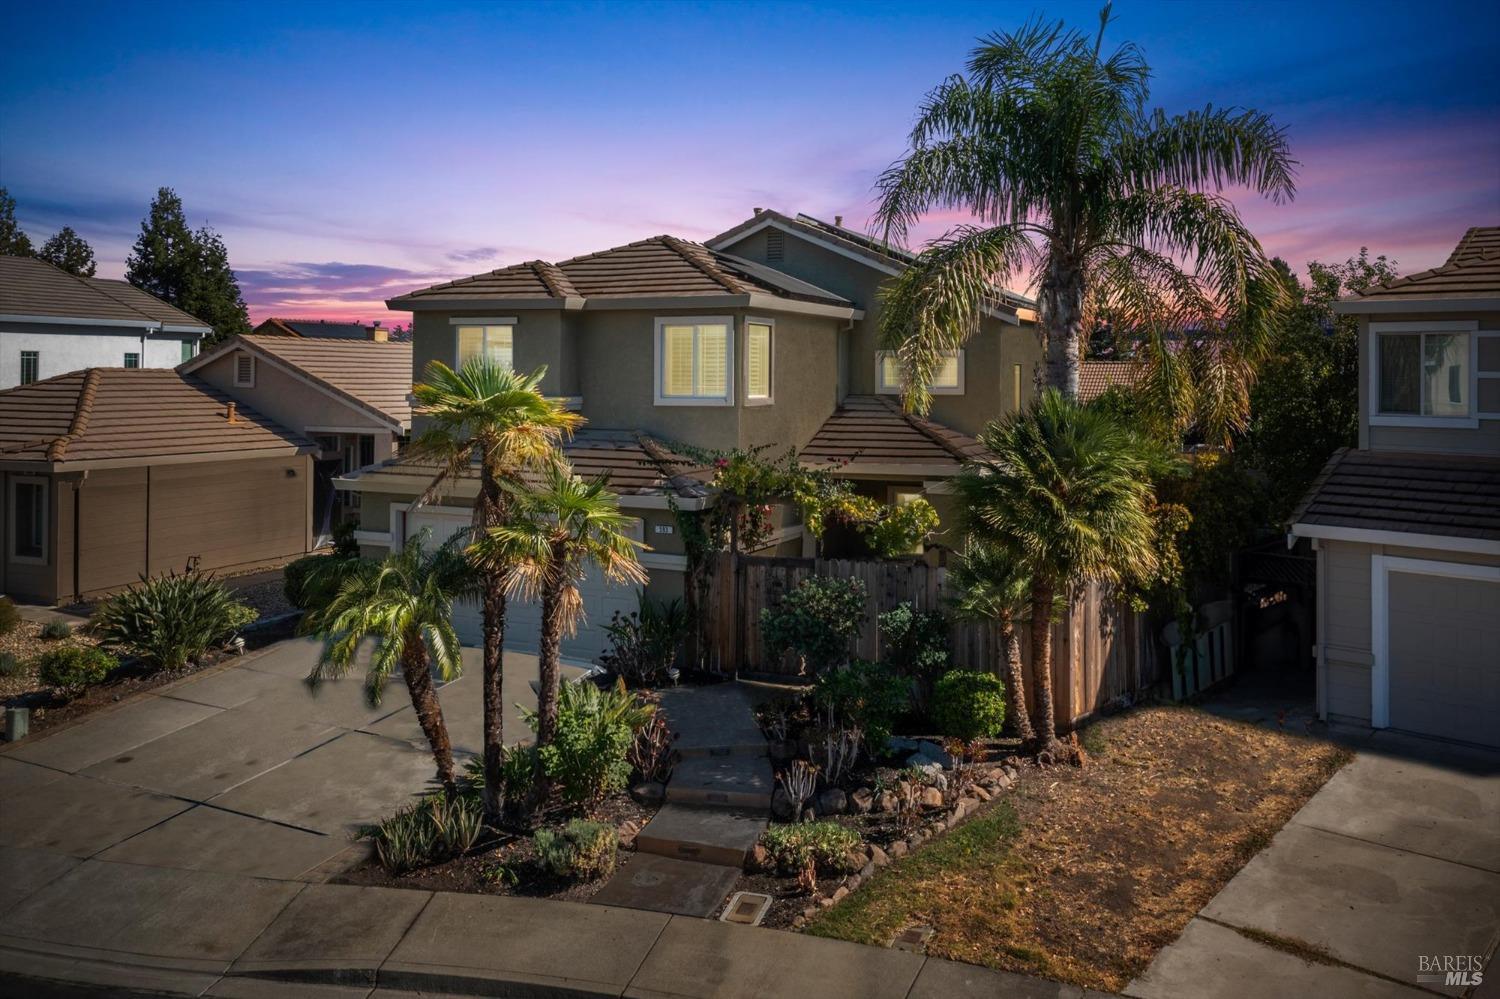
1068	490
1111	207
405	603
485	413
560	530
990	585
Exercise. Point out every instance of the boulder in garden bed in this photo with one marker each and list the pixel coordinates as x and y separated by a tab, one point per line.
782	807
832	802
862	801
649	792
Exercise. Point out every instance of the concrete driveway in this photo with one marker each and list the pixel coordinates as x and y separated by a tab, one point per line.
241	771
1397	858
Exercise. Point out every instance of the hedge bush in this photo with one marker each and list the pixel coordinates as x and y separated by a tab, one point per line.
818	621
73	668
169	620
968	705
581	849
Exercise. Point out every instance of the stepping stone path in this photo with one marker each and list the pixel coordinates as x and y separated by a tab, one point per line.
691	853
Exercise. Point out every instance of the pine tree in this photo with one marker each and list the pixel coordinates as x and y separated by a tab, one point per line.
186	268
69	251
13	242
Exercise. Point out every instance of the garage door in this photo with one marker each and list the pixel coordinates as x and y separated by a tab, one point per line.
1444	652
523	619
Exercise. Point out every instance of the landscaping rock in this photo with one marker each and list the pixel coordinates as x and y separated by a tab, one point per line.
855	880
650	792
758	859
781	806
868	871
931	770
887	802
878	857
916	839
861	801
1012	772
824	903
983	793
932	797
809	814
840	893
898	849
626	833
832	802
855	860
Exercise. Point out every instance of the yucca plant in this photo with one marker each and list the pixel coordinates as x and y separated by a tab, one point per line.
170	620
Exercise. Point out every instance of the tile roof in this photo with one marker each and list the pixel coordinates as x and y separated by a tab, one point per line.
636	465
101	414
376	376
1472	270
1097	377
872	431
662	266
1412	493
31	287
322	328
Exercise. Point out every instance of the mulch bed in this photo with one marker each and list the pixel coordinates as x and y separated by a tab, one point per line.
1084	874
475	874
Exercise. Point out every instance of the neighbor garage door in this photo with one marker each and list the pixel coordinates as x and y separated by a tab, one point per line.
523	619
1444	656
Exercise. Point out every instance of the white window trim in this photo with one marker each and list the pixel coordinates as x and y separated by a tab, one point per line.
251	382
128	355
770	397
883	389
1480	376
1381	566
10	521
454	325
1372	354
21	366
727	399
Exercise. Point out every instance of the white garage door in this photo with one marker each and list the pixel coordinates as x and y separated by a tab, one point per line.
1444	649
523	619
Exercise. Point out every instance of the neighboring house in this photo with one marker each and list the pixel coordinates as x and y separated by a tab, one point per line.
350	397
109	474
665	341
325	329
53	322
1097	377
1407	525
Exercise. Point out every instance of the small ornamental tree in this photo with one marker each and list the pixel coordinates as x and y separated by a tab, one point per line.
967	705
818	621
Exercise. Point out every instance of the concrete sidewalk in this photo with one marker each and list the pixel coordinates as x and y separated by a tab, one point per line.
1397	857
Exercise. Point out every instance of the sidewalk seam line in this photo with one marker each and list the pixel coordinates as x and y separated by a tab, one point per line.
1395	849
647	956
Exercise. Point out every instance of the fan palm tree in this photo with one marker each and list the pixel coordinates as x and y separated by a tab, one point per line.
1067	489
559	530
405	603
990	585
488	415
1112	208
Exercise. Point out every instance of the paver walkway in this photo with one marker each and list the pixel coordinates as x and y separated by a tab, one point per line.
1396	858
693	850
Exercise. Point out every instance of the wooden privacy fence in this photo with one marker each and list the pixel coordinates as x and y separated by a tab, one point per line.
1101	650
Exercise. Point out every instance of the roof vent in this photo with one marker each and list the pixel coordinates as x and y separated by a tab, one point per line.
229	413
838	220
775	244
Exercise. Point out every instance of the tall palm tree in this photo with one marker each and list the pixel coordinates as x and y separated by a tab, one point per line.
488	415
559	530
405	603
990	585
1068	490
1112	208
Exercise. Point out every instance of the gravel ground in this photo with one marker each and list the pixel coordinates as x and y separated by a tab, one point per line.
26	643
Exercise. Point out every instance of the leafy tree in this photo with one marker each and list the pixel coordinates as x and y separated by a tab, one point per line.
187	269
1068	490
990	585
555	533
405	603
70	251
1050	144
13	241
818	620
488	415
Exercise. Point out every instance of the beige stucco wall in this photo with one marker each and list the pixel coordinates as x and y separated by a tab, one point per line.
1485	439
1345	635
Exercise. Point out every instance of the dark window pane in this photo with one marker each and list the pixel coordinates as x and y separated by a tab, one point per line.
1400	373
366	450
30	363
1445	363
30	522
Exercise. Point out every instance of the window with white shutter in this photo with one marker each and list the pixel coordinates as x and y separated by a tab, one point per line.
948	379
758	361
692	361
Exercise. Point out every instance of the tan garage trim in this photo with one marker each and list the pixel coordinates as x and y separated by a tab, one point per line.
1381	566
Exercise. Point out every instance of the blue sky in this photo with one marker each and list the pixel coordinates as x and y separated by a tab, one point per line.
351	151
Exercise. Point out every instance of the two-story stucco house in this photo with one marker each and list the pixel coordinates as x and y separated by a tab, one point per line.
53	322
1407	525
734	344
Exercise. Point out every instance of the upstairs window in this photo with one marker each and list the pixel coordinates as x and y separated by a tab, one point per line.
1423	374
692	361
187	351
132	360
947	380
494	342
758	361
31	363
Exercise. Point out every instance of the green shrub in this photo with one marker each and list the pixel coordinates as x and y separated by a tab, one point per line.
72	668
581	849
171	619
312	581
55	631
818	621
915	643
968	705
429	832
645	642
824	846
863	695
10	664
10	618
588	758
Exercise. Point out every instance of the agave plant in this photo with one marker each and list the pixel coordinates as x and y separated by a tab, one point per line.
173	619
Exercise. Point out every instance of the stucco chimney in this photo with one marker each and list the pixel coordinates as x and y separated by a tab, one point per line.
758	210
379	333
838	220
230	414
